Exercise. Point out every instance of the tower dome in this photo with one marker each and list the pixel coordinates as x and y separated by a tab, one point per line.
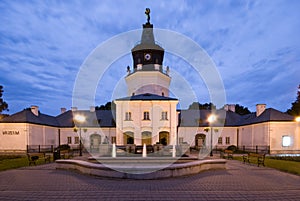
148	75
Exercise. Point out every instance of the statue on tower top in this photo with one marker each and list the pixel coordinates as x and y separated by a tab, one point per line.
147	12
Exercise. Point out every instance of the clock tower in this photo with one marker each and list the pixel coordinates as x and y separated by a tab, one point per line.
148	74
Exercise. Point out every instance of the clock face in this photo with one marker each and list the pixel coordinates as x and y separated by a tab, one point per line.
147	56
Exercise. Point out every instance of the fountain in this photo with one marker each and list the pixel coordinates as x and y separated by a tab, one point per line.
144	154
114	151
161	164
174	151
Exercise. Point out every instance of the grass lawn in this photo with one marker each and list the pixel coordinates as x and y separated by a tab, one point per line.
282	165
11	162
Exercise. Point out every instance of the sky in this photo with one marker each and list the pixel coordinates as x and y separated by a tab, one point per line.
255	46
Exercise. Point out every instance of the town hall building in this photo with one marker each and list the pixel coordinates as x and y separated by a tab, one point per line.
148	115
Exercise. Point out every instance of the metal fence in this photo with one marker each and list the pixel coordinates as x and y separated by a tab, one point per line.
40	148
255	149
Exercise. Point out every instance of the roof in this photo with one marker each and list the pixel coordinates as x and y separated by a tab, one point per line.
147	97
191	118
187	118
102	118
147	40
26	116
269	114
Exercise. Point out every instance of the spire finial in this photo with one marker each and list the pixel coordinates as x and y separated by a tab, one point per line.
147	12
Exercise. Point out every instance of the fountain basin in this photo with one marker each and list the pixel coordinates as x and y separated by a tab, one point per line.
145	169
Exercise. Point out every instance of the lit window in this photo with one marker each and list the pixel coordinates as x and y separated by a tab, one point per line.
286	141
128	116
76	140
146	116
164	115
227	140
69	139
220	140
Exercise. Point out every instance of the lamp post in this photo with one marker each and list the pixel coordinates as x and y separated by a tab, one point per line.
80	119
211	119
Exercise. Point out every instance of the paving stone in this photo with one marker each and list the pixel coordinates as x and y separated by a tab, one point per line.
238	182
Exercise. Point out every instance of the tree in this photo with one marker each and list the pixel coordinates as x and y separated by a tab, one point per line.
3	104
107	106
295	109
241	110
199	106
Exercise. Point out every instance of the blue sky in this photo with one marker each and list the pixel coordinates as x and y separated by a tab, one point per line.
254	44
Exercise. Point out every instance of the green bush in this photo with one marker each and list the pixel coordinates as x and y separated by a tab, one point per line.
286	158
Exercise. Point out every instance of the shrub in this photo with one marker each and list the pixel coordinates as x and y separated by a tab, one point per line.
232	148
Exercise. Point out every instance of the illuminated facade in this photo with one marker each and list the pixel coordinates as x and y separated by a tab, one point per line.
149	116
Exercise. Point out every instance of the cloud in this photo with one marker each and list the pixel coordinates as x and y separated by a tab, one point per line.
254	44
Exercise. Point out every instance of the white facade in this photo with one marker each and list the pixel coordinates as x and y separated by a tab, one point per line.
153	82
137	124
16	136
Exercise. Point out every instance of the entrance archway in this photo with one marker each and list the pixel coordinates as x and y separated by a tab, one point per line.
95	141
200	140
146	138
128	137
164	138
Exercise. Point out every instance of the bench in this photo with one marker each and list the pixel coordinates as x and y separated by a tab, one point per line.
226	154
229	154
254	157
33	157
66	154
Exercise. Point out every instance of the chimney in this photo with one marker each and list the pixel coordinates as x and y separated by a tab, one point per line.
92	109
63	110
74	109
260	108
229	107
35	110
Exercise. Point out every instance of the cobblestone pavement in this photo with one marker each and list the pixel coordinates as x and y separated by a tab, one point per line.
238	182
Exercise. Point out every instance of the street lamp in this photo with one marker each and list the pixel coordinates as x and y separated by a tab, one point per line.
211	119
80	119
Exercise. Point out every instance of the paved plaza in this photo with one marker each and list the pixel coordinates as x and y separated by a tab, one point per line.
238	182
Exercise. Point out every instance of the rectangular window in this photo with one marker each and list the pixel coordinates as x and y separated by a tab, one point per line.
227	140
69	140
146	116
76	140
113	140
164	115
220	140
286	141
181	140
128	116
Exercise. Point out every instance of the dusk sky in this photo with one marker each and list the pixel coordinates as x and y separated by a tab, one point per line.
255	46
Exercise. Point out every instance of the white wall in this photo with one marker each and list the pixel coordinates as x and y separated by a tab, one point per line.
280	129
189	133
13	136
85	134
137	125
16	136
153	82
